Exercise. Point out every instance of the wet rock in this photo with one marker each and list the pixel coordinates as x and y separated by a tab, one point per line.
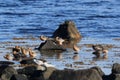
86	74
117	77
32	72
48	72
50	45
67	30
6	72
19	77
112	77
116	68
6	63
98	69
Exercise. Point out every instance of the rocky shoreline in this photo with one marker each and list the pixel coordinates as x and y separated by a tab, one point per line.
35	72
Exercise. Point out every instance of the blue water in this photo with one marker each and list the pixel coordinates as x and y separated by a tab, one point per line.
93	18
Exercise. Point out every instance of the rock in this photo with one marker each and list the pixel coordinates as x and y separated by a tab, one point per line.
112	77
67	30
70	74
6	63
32	72
6	72
98	69
37	75
50	45
19	77
48	72
29	70
116	68
117	77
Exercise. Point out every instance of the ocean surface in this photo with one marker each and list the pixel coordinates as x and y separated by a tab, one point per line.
98	21
93	18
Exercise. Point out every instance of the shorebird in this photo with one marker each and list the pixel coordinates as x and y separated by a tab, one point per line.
99	49
59	40
43	38
41	62
25	52
97	54
76	57
8	57
59	56
76	49
16	48
32	54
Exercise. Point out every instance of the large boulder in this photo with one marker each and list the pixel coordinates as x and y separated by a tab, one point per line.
67	30
6	72
70	74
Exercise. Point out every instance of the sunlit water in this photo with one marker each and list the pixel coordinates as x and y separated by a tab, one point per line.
97	20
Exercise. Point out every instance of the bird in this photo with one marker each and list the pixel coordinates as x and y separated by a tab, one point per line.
59	56
97	47
76	57
16	48
97	54
76	49
25	52
8	57
32	54
59	40
41	62
43	38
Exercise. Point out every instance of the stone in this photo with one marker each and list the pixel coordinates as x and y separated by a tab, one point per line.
70	74
6	63
67	30
99	70
116	68
6	72
117	77
51	45
32	72
19	77
48	72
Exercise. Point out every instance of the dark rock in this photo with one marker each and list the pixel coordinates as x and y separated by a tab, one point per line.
48	72
29	70
6	63
70	74
67	30
37	75
112	77
6	72
98	69
19	77
116	68
32	72
117	77
50	45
